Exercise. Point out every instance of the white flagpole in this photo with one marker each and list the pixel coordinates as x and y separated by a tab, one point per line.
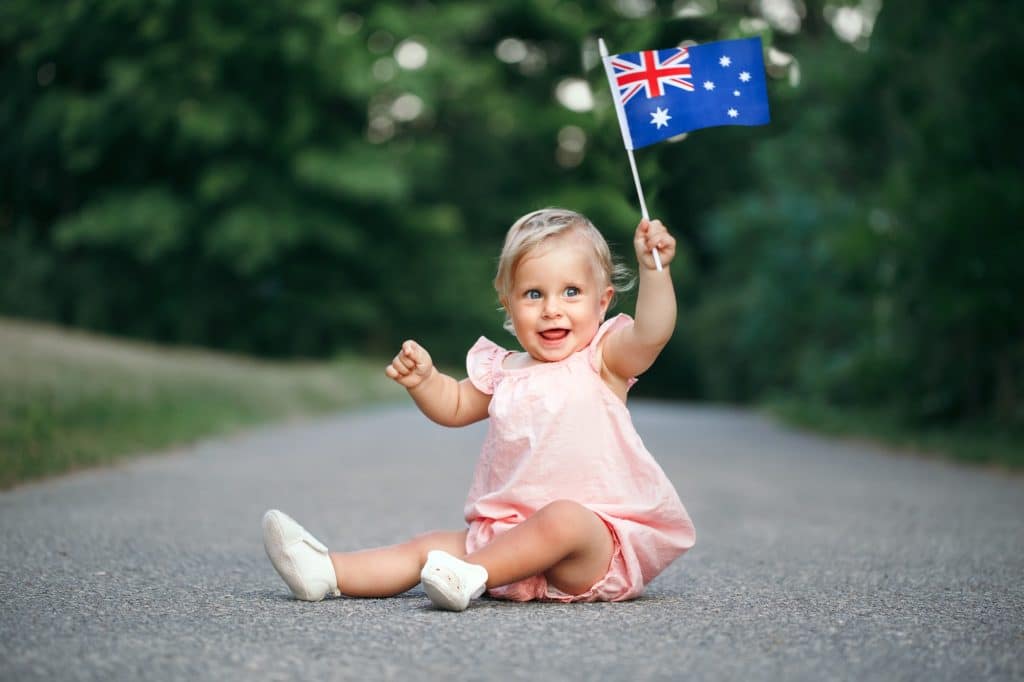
627	139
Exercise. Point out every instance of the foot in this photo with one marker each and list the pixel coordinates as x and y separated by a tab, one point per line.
299	558
451	583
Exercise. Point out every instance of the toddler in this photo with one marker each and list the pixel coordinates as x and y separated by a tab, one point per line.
566	503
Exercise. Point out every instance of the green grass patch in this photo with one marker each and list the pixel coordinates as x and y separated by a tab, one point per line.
70	400
980	444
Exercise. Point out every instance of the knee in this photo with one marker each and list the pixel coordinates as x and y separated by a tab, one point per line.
562	519
563	509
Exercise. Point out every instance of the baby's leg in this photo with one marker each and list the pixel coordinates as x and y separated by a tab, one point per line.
564	540
387	571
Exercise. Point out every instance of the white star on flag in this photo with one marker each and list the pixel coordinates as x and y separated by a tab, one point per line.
736	93
733	113
708	85
660	117
725	61
744	76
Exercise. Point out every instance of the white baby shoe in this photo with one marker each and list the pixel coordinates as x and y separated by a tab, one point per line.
298	557
451	583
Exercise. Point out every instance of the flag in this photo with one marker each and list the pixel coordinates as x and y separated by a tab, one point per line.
662	93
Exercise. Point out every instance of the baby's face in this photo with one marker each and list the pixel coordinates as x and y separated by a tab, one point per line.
557	301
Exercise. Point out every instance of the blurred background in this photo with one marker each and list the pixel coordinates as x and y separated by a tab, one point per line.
315	178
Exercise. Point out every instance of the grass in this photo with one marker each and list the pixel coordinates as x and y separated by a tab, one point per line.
978	444
70	399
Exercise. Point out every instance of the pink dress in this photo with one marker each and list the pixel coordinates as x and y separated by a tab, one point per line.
557	431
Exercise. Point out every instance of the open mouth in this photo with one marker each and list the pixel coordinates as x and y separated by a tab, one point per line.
554	334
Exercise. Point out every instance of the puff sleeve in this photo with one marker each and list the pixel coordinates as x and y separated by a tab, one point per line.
483	364
618	322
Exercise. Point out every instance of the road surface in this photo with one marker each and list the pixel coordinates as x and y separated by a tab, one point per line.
815	560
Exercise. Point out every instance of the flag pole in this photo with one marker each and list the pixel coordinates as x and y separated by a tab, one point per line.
627	140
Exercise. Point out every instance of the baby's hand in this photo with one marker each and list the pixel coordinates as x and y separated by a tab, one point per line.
653	235
411	366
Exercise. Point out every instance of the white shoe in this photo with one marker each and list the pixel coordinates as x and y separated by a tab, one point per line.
451	583
298	557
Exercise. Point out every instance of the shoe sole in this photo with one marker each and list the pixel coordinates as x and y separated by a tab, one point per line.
440	595
274	537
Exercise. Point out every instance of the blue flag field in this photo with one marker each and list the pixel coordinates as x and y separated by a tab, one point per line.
663	93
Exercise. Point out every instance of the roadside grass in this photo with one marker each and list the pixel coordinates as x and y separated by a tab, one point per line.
70	399
977	444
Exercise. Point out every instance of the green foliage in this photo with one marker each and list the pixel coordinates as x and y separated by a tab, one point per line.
298	178
874	260
148	224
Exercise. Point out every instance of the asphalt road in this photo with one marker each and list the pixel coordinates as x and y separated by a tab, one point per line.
815	560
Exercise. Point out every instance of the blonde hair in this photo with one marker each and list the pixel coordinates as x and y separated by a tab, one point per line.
533	229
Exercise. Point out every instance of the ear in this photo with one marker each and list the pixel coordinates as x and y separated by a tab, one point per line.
606	299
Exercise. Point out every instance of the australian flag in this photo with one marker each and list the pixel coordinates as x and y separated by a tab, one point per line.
662	93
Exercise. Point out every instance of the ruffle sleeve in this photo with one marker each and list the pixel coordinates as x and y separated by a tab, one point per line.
483	364
613	324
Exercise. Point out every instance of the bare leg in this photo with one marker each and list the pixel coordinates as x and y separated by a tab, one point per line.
564	540
387	571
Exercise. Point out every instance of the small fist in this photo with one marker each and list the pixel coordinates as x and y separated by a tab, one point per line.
411	366
652	235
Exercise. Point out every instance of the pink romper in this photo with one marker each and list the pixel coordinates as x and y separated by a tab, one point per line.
557	431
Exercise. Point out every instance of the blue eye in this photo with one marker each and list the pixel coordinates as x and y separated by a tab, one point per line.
572	291
533	294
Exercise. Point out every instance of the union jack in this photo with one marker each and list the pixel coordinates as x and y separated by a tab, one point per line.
652	73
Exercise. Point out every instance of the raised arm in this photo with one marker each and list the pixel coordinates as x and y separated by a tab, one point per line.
440	397
630	351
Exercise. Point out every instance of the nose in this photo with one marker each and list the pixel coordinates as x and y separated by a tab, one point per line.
551	308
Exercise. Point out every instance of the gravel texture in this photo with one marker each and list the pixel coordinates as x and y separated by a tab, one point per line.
815	560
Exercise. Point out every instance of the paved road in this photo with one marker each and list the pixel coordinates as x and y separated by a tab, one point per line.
815	560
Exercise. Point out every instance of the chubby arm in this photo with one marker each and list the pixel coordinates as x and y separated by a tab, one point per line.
631	350
440	397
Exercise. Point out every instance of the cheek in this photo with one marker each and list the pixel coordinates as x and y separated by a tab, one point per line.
519	313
